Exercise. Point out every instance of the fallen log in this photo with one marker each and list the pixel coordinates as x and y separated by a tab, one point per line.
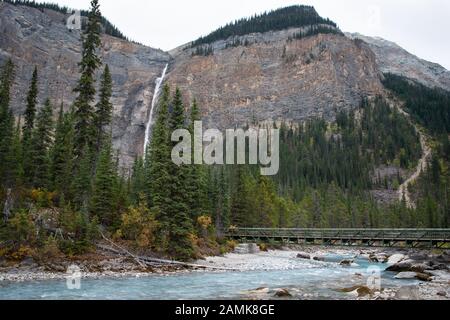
154	261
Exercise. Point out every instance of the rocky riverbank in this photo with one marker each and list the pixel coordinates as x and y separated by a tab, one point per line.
91	266
429	271
306	273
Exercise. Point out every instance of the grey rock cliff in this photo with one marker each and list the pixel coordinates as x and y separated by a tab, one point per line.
32	37
391	58
274	79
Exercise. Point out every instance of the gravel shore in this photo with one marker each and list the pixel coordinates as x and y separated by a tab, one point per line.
428	270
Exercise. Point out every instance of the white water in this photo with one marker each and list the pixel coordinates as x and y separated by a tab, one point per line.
148	128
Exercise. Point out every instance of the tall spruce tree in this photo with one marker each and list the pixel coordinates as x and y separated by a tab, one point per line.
30	116
156	167
137	181
41	142
6	124
90	62
103	112
16	153
103	193
62	154
30	111
82	183
239	213
180	223
196	175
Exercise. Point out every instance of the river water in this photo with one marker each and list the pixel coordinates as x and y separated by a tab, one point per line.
303	278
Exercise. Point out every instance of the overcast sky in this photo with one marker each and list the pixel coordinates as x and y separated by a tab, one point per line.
420	26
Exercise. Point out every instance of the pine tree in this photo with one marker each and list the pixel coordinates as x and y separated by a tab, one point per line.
137	181
103	194
103	113
30	111
62	154
156	167
180	224
30	116
239	197
196	175
16	153
81	184
41	142
6	124
90	62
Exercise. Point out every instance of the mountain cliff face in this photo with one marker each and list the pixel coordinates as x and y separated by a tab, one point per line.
391	58
274	78
32	37
246	79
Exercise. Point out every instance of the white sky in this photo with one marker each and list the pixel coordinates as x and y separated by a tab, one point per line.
420	26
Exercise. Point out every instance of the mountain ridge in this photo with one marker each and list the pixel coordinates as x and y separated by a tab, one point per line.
262	77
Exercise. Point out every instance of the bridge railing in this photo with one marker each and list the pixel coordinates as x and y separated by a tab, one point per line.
360	234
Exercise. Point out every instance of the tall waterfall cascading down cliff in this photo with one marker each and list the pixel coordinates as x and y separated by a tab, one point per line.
159	82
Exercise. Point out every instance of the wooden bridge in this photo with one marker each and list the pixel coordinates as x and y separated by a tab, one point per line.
416	238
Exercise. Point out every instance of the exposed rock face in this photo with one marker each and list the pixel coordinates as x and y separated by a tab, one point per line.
270	79
31	37
274	79
391	58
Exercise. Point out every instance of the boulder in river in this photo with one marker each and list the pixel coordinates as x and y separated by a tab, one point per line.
346	262
442	293
380	257
396	258
282	293
319	258
419	267
401	266
258	291
303	255
360	291
406	275
423	276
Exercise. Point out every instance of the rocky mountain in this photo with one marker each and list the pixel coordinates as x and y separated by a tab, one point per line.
276	78
32	37
239	80
391	58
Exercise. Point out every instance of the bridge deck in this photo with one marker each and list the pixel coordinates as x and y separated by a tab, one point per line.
371	237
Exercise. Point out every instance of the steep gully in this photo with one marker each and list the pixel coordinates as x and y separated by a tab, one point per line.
403	191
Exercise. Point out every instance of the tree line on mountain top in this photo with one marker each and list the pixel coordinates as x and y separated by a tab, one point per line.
62	187
280	19
108	27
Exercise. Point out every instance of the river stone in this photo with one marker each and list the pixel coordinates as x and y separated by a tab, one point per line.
346	262
258	291
381	257
360	291
319	258
420	267
419	256
423	276
303	255
396	258
406	275
282	293
401	266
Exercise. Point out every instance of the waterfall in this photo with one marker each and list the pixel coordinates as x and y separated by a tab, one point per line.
159	82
